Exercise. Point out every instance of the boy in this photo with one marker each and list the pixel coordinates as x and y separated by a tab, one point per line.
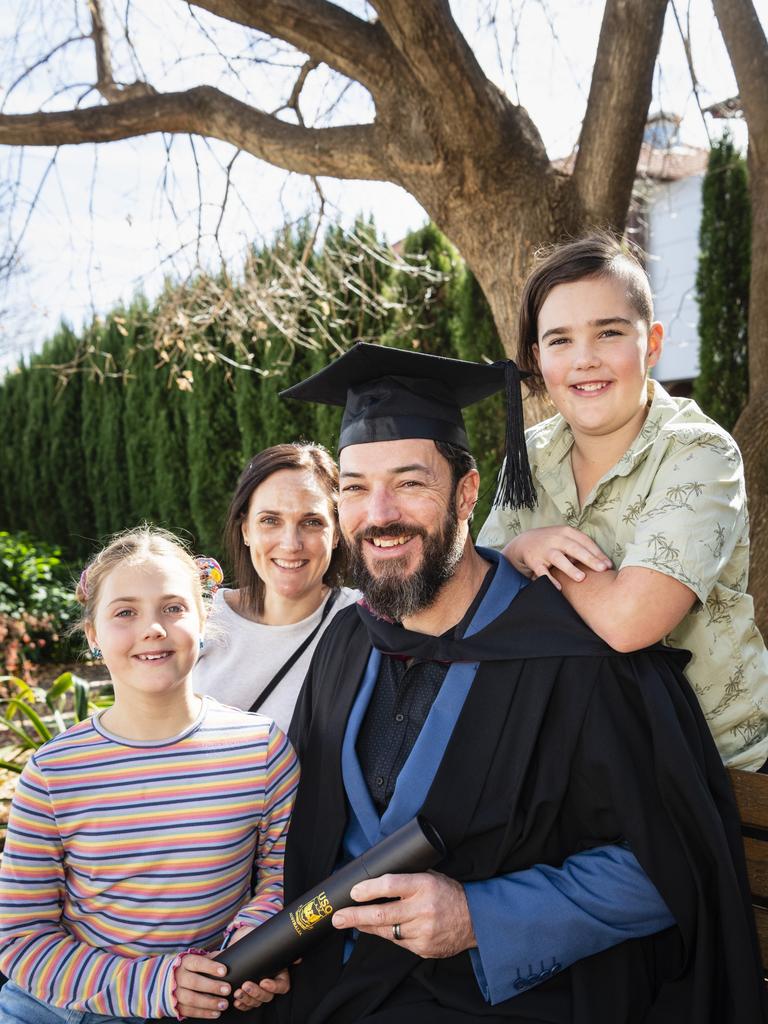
641	517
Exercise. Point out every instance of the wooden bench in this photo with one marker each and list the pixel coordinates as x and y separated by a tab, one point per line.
751	791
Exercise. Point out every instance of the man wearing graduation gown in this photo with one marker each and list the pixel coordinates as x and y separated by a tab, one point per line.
594	872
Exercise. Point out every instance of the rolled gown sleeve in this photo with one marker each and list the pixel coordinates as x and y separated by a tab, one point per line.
531	924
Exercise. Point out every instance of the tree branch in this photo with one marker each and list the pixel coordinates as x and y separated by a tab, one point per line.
617	108
457	95
39	63
685	37
105	81
327	33
434	49
292	103
353	151
748	51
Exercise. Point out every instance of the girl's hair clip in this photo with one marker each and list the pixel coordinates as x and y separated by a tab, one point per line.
83	584
211	574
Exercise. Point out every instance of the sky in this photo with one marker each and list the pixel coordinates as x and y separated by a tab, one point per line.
114	220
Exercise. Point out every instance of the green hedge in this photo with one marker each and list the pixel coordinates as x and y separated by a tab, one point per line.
722	285
103	449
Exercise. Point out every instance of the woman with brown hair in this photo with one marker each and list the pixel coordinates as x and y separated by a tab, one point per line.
282	539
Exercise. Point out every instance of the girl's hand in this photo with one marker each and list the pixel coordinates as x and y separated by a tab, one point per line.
535	552
201	987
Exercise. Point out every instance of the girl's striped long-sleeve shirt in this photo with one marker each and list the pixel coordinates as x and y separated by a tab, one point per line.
120	854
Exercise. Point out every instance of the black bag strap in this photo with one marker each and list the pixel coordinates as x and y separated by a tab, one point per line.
284	669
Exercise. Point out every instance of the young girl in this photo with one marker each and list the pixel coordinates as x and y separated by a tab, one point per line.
641	515
133	834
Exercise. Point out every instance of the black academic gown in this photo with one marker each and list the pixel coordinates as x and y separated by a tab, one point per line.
561	745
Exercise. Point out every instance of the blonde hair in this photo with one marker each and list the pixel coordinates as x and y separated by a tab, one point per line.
133	547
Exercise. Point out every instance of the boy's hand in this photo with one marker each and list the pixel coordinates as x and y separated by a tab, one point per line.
535	552
202	991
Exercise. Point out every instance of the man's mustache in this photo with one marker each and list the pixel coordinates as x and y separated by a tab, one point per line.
394	531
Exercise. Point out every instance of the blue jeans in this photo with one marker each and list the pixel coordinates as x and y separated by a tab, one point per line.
19	1007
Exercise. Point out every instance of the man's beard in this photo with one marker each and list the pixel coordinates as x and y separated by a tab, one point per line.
392	592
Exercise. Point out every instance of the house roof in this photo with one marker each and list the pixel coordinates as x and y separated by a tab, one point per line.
668	164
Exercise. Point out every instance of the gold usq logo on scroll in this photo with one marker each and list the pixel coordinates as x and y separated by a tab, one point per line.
308	914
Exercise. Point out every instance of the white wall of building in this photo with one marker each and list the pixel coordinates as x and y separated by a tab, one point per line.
673	213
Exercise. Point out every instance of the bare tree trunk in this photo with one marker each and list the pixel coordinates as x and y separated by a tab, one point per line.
748	51
751	429
498	241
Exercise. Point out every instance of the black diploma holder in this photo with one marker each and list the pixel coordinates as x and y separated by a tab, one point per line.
286	936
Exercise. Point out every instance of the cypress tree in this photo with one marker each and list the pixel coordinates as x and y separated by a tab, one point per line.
102	431
6	415
76	530
475	337
722	285
264	418
255	391
169	453
26	482
213	449
90	416
357	310
140	413
424	322
247	395
15	392
36	492
112	454
289	420
261	339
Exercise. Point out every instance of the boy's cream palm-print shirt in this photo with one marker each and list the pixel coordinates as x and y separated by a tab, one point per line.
675	502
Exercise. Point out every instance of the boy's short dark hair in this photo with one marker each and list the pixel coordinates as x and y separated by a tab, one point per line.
599	254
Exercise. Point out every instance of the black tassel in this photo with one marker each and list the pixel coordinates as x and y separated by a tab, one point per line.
514	488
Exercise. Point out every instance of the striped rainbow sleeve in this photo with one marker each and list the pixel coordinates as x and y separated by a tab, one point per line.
281	777
36	952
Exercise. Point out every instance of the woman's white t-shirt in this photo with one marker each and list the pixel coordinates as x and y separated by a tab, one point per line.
241	657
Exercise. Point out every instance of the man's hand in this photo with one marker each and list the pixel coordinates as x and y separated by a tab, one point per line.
201	990
431	910
535	552
252	995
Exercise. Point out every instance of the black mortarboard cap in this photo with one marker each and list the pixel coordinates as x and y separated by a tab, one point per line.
389	394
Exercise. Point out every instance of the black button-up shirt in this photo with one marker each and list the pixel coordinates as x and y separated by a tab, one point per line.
404	693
